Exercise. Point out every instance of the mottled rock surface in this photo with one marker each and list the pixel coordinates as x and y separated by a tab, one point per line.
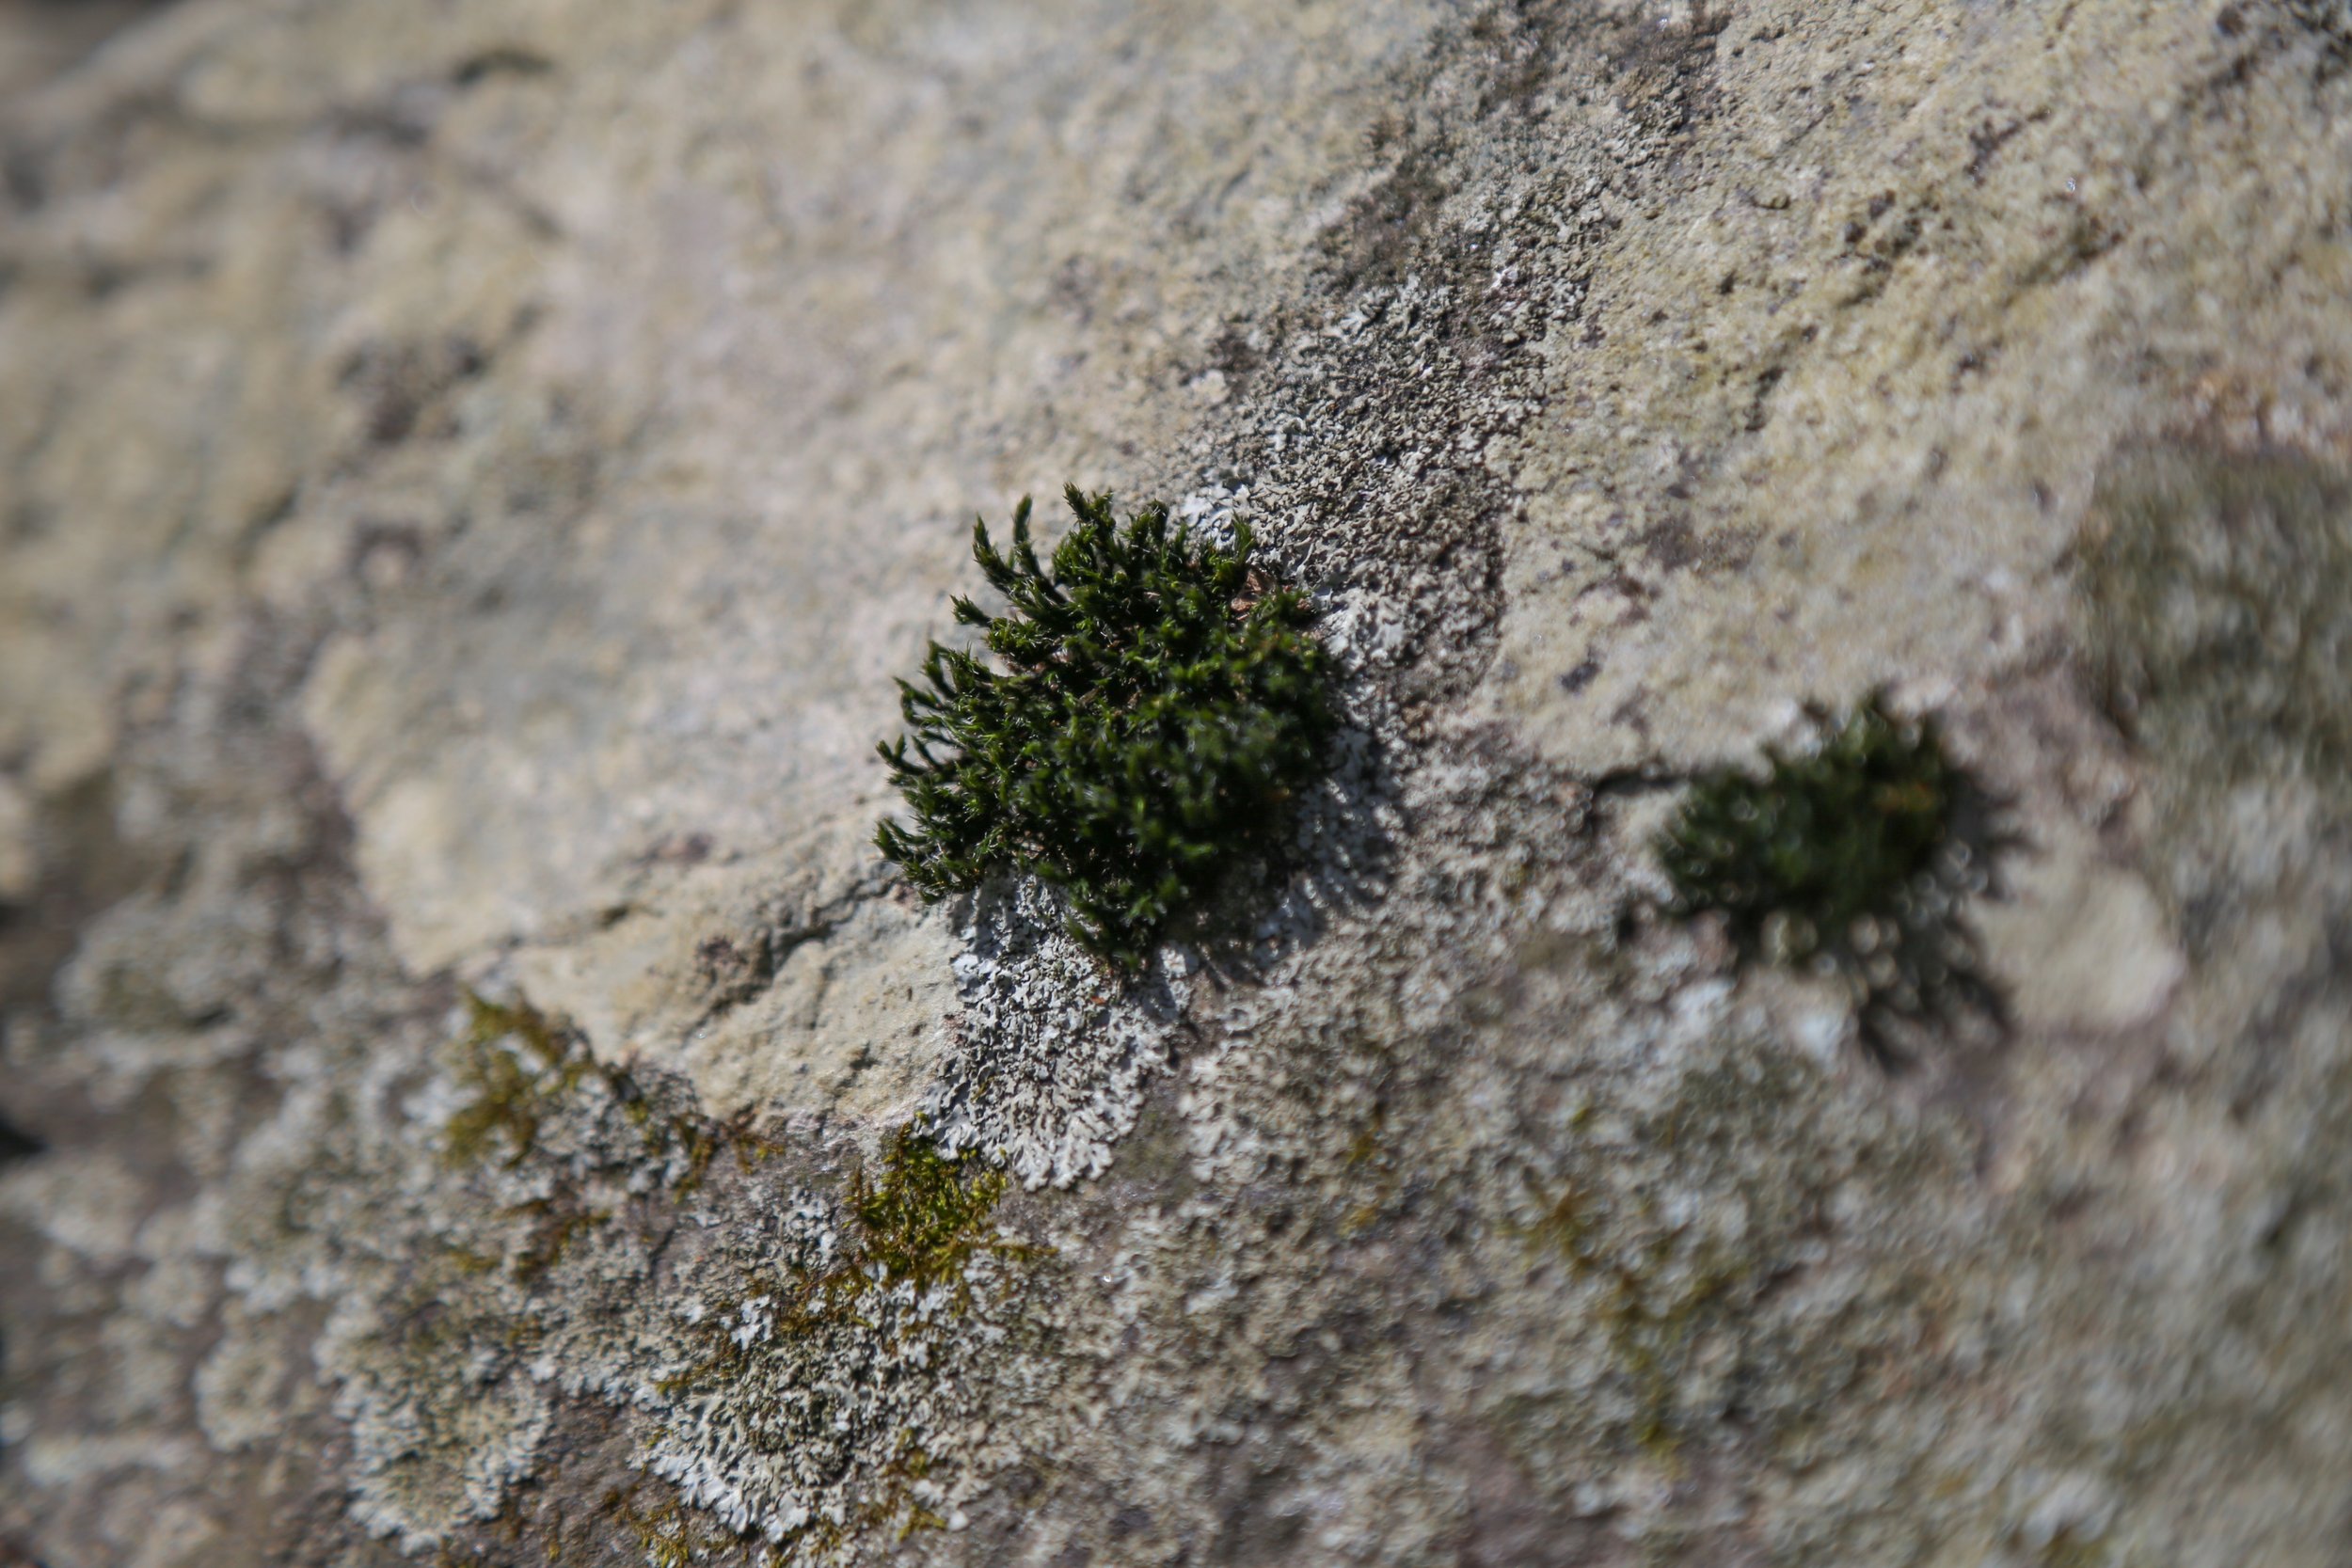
469	472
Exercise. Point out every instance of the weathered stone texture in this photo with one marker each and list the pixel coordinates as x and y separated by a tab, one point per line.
470	471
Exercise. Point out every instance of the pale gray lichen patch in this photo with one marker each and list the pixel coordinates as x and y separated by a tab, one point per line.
443	1416
1052	1053
252	1384
834	1372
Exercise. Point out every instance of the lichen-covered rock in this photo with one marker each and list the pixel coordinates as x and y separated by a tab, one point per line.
472	1093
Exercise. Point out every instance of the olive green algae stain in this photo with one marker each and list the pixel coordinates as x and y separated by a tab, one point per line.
814	1372
920	1225
1161	700
669	1535
839	1377
538	1179
518	1068
1855	859
512	1062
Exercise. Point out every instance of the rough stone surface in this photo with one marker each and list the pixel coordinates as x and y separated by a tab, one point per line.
469	473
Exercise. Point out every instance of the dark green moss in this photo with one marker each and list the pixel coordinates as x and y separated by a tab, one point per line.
1853	859
1796	859
1157	699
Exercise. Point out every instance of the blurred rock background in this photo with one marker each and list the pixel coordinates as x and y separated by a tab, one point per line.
469	472
42	39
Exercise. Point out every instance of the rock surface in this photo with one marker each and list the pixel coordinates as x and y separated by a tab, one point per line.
469	473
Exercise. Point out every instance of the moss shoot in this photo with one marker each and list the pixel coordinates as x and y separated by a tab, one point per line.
1157	700
1854	860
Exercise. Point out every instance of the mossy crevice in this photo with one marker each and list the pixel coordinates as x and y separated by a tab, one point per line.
522	1072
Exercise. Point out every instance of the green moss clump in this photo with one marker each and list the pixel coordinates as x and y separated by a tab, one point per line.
1160	700
1855	859
1794	860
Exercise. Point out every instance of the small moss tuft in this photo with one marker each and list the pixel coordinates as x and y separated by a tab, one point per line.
922	1220
1160	700
919	1225
1854	860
